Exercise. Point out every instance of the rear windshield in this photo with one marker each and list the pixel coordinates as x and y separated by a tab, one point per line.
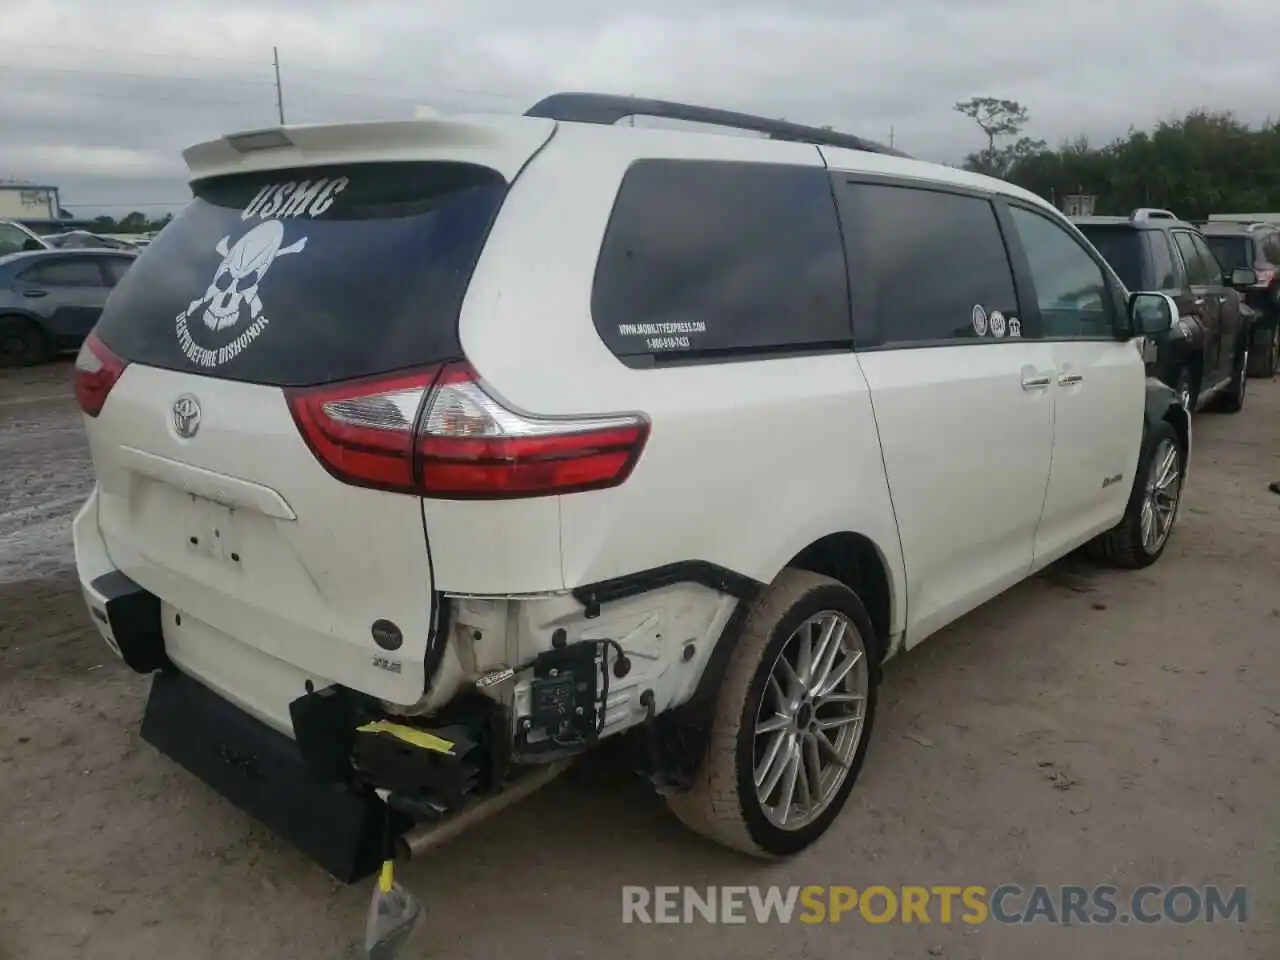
1232	252
1122	248
299	277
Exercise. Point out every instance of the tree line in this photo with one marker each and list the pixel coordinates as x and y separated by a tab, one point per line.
130	223
1207	162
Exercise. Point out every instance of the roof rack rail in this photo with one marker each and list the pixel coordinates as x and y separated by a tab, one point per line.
604	108
1152	213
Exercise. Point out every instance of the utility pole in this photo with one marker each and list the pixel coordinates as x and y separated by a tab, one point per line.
890	136
275	56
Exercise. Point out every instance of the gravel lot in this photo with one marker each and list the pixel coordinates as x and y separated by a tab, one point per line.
1088	727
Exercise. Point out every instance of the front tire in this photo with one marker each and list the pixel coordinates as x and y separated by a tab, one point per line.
792	723
1140	538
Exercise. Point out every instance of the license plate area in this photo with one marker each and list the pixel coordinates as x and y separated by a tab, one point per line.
211	530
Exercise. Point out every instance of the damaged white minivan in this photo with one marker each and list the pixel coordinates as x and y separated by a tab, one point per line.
431	453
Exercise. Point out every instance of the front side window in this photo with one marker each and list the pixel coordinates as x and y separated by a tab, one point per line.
1071	288
926	266
702	259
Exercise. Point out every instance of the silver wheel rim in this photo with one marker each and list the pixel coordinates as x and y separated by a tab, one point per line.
1185	396
1160	504
1244	372
810	719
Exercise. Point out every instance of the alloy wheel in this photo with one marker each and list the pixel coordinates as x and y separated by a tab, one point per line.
1160	502
810	720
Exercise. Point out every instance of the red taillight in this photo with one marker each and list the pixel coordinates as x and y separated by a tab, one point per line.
96	372
439	434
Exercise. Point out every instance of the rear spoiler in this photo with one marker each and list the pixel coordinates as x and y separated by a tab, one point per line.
501	143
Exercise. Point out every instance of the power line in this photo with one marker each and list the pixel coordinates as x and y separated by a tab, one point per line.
130	54
101	72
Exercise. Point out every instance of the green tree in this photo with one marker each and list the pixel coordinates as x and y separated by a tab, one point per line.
999	118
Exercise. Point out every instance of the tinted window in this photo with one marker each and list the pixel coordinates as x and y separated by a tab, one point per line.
703	257
12	239
1163	268
1271	248
1125	249
1202	268
1071	289
1232	252
71	272
926	266
308	276
116	268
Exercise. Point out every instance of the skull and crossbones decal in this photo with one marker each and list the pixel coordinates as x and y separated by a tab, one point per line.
240	273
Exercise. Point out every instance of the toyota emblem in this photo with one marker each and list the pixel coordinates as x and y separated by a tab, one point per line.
186	416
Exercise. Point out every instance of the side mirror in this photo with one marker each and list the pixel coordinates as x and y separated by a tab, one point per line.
1151	314
1244	277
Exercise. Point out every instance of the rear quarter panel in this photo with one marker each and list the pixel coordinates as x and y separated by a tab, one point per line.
747	462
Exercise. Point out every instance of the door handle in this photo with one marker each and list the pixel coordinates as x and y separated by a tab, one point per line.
1036	382
1199	301
34	294
1069	378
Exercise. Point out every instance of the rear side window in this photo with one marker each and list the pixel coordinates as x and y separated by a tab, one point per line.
308	276
706	259
926	266
71	272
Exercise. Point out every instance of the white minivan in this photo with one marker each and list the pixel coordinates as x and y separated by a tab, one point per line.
432	453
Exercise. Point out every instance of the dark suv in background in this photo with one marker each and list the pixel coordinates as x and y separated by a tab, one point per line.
1205	353
1256	246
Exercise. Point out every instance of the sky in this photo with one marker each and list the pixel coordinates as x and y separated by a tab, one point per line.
99	98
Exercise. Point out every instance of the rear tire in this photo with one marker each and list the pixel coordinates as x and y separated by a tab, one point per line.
1130	543
22	342
759	725
1265	358
1233	399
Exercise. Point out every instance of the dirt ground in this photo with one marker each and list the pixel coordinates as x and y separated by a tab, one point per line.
1088	727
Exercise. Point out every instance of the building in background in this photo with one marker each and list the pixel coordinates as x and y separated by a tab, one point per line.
1079	204
35	206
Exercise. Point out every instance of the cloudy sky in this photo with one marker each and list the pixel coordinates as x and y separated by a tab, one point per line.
100	97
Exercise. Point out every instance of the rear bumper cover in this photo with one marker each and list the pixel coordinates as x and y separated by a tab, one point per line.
261	771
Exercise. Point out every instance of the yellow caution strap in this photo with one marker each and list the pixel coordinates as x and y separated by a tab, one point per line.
410	735
388	876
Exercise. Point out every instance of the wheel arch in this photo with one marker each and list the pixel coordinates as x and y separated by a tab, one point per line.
856	561
1162	405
